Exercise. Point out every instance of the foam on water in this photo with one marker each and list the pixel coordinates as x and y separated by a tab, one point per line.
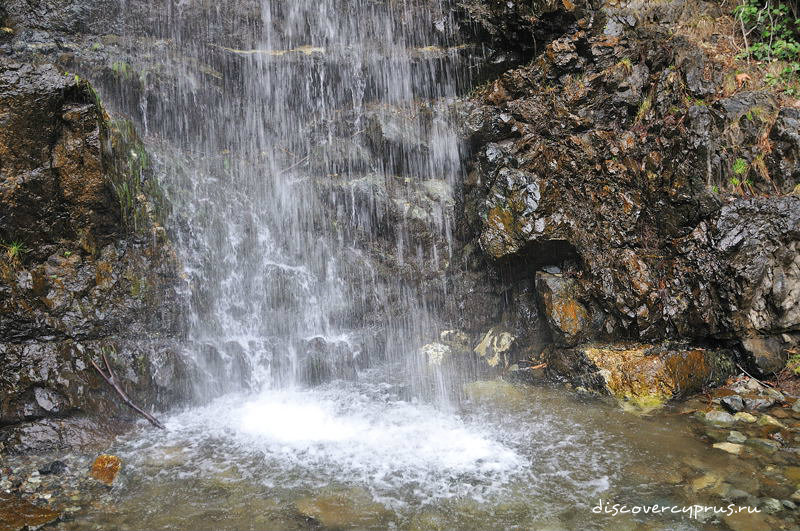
343	434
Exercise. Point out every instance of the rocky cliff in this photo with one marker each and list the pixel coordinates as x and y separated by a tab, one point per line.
86	269
628	178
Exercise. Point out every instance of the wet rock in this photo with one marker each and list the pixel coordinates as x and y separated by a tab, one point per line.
53	467
767	445
766	420
731	448
17	514
736	437
325	359
758	403
496	348
719	418
767	353
105	468
732	403
436	353
745	417
569	319
771	505
747	521
353	508
644	375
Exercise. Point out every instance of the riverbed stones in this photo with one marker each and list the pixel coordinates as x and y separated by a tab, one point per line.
736	437
719	418
767	420
16	514
743	416
732	403
350	508
731	448
105	468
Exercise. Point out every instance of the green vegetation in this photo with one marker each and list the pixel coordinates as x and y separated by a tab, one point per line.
14	251
740	167
771	31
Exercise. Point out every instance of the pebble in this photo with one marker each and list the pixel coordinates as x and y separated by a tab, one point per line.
764	444
719	418
789	505
766	420
796	496
796	406
743	416
737	437
771	505
737	495
732	403
53	467
731	448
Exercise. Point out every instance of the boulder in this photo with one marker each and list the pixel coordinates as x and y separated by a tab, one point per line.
643	375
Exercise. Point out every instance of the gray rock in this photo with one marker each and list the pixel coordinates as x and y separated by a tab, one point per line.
771	505
719	418
737	437
732	403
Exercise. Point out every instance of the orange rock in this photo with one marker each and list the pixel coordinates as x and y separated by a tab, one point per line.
16	513
105	468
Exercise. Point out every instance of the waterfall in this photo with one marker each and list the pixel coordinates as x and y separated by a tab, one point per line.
308	156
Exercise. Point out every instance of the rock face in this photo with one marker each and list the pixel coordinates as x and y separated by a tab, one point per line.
645	194
86	268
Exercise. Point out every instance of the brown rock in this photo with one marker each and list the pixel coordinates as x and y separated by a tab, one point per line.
105	468
16	513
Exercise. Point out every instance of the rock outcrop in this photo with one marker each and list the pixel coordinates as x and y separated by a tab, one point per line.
86	268
643	192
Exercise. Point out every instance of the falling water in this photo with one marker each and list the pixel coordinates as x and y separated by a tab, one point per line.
306	150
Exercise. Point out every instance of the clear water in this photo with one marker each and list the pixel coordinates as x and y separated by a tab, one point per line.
357	456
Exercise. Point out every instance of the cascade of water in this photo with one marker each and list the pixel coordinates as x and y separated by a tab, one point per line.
311	169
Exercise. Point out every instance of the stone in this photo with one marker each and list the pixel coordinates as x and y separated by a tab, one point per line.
796	406
771	505
796	496
643	375
792	473
16	513
436	353
789	504
719	418
737	437
732	403
495	348
353	508
745	417
758	403
53	467
105	468
746	521
568	318
731	448
767	445
767	353
767	420
705	481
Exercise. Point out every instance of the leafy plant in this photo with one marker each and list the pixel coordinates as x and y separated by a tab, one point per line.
771	31
14	251
740	166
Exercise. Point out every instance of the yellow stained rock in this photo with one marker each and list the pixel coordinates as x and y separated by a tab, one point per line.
16	513
105	468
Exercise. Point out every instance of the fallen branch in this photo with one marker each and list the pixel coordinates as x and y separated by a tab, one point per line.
112	381
762	384
540	366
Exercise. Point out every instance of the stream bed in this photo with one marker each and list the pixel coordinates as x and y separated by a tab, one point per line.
359	455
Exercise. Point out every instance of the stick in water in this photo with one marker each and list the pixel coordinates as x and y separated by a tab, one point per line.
112	381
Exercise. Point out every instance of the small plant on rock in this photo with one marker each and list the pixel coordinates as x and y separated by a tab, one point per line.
14	251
